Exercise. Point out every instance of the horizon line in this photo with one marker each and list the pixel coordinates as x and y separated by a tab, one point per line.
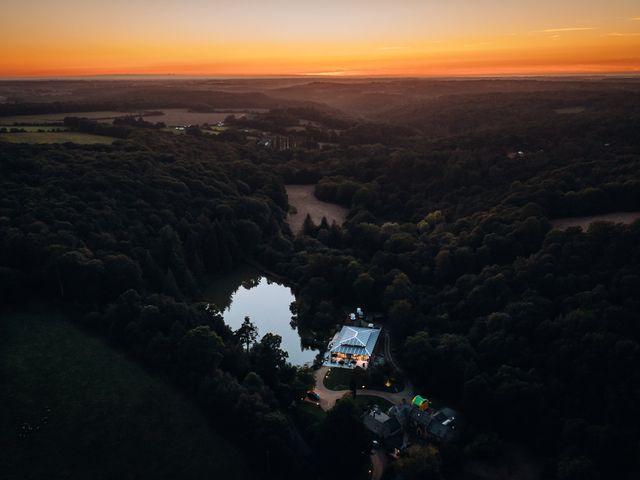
345	76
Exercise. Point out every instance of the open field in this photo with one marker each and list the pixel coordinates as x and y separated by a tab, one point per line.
212	130
59	117
54	137
74	408
584	222
301	197
570	110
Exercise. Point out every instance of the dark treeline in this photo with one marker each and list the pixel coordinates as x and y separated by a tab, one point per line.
280	118
314	124
122	127
138	96
119	129
464	113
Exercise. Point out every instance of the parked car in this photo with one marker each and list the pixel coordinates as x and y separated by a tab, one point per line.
313	396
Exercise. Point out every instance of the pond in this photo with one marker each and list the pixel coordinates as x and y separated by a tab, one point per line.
247	292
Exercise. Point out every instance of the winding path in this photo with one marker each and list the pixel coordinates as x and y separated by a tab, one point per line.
328	397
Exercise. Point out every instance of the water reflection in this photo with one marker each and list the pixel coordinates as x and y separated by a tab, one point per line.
246	292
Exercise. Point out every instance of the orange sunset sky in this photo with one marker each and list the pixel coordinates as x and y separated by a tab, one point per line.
331	37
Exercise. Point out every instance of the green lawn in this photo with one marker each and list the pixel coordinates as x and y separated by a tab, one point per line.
310	412
71	407
54	137
338	379
216	130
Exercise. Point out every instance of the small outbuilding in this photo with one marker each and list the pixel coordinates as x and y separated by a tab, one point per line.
380	424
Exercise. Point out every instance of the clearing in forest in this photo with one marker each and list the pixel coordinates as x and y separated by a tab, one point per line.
301	197
584	222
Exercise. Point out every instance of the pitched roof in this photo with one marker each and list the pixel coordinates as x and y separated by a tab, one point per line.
380	423
443	424
355	340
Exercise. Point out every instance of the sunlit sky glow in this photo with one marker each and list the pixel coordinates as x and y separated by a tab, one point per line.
330	37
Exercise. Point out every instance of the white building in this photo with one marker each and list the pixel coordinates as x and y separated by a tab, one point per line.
352	347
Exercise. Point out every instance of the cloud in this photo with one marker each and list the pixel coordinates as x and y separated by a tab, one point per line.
637	19
618	34
565	29
400	47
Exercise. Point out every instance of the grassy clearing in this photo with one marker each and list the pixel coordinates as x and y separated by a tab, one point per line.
54	137
338	379
301	197
215	130
584	222
91	413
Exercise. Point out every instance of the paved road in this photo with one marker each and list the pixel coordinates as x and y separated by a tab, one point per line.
378	464
328	400
328	397
387	351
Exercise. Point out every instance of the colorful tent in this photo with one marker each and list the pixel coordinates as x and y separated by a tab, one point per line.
420	402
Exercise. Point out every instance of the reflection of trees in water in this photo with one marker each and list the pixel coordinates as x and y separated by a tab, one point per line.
215	308
308	341
253	282
222	291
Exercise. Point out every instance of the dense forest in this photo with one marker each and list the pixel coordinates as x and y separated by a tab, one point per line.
531	332
124	235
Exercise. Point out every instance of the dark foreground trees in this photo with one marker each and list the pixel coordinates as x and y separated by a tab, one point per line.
344	444
123	237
